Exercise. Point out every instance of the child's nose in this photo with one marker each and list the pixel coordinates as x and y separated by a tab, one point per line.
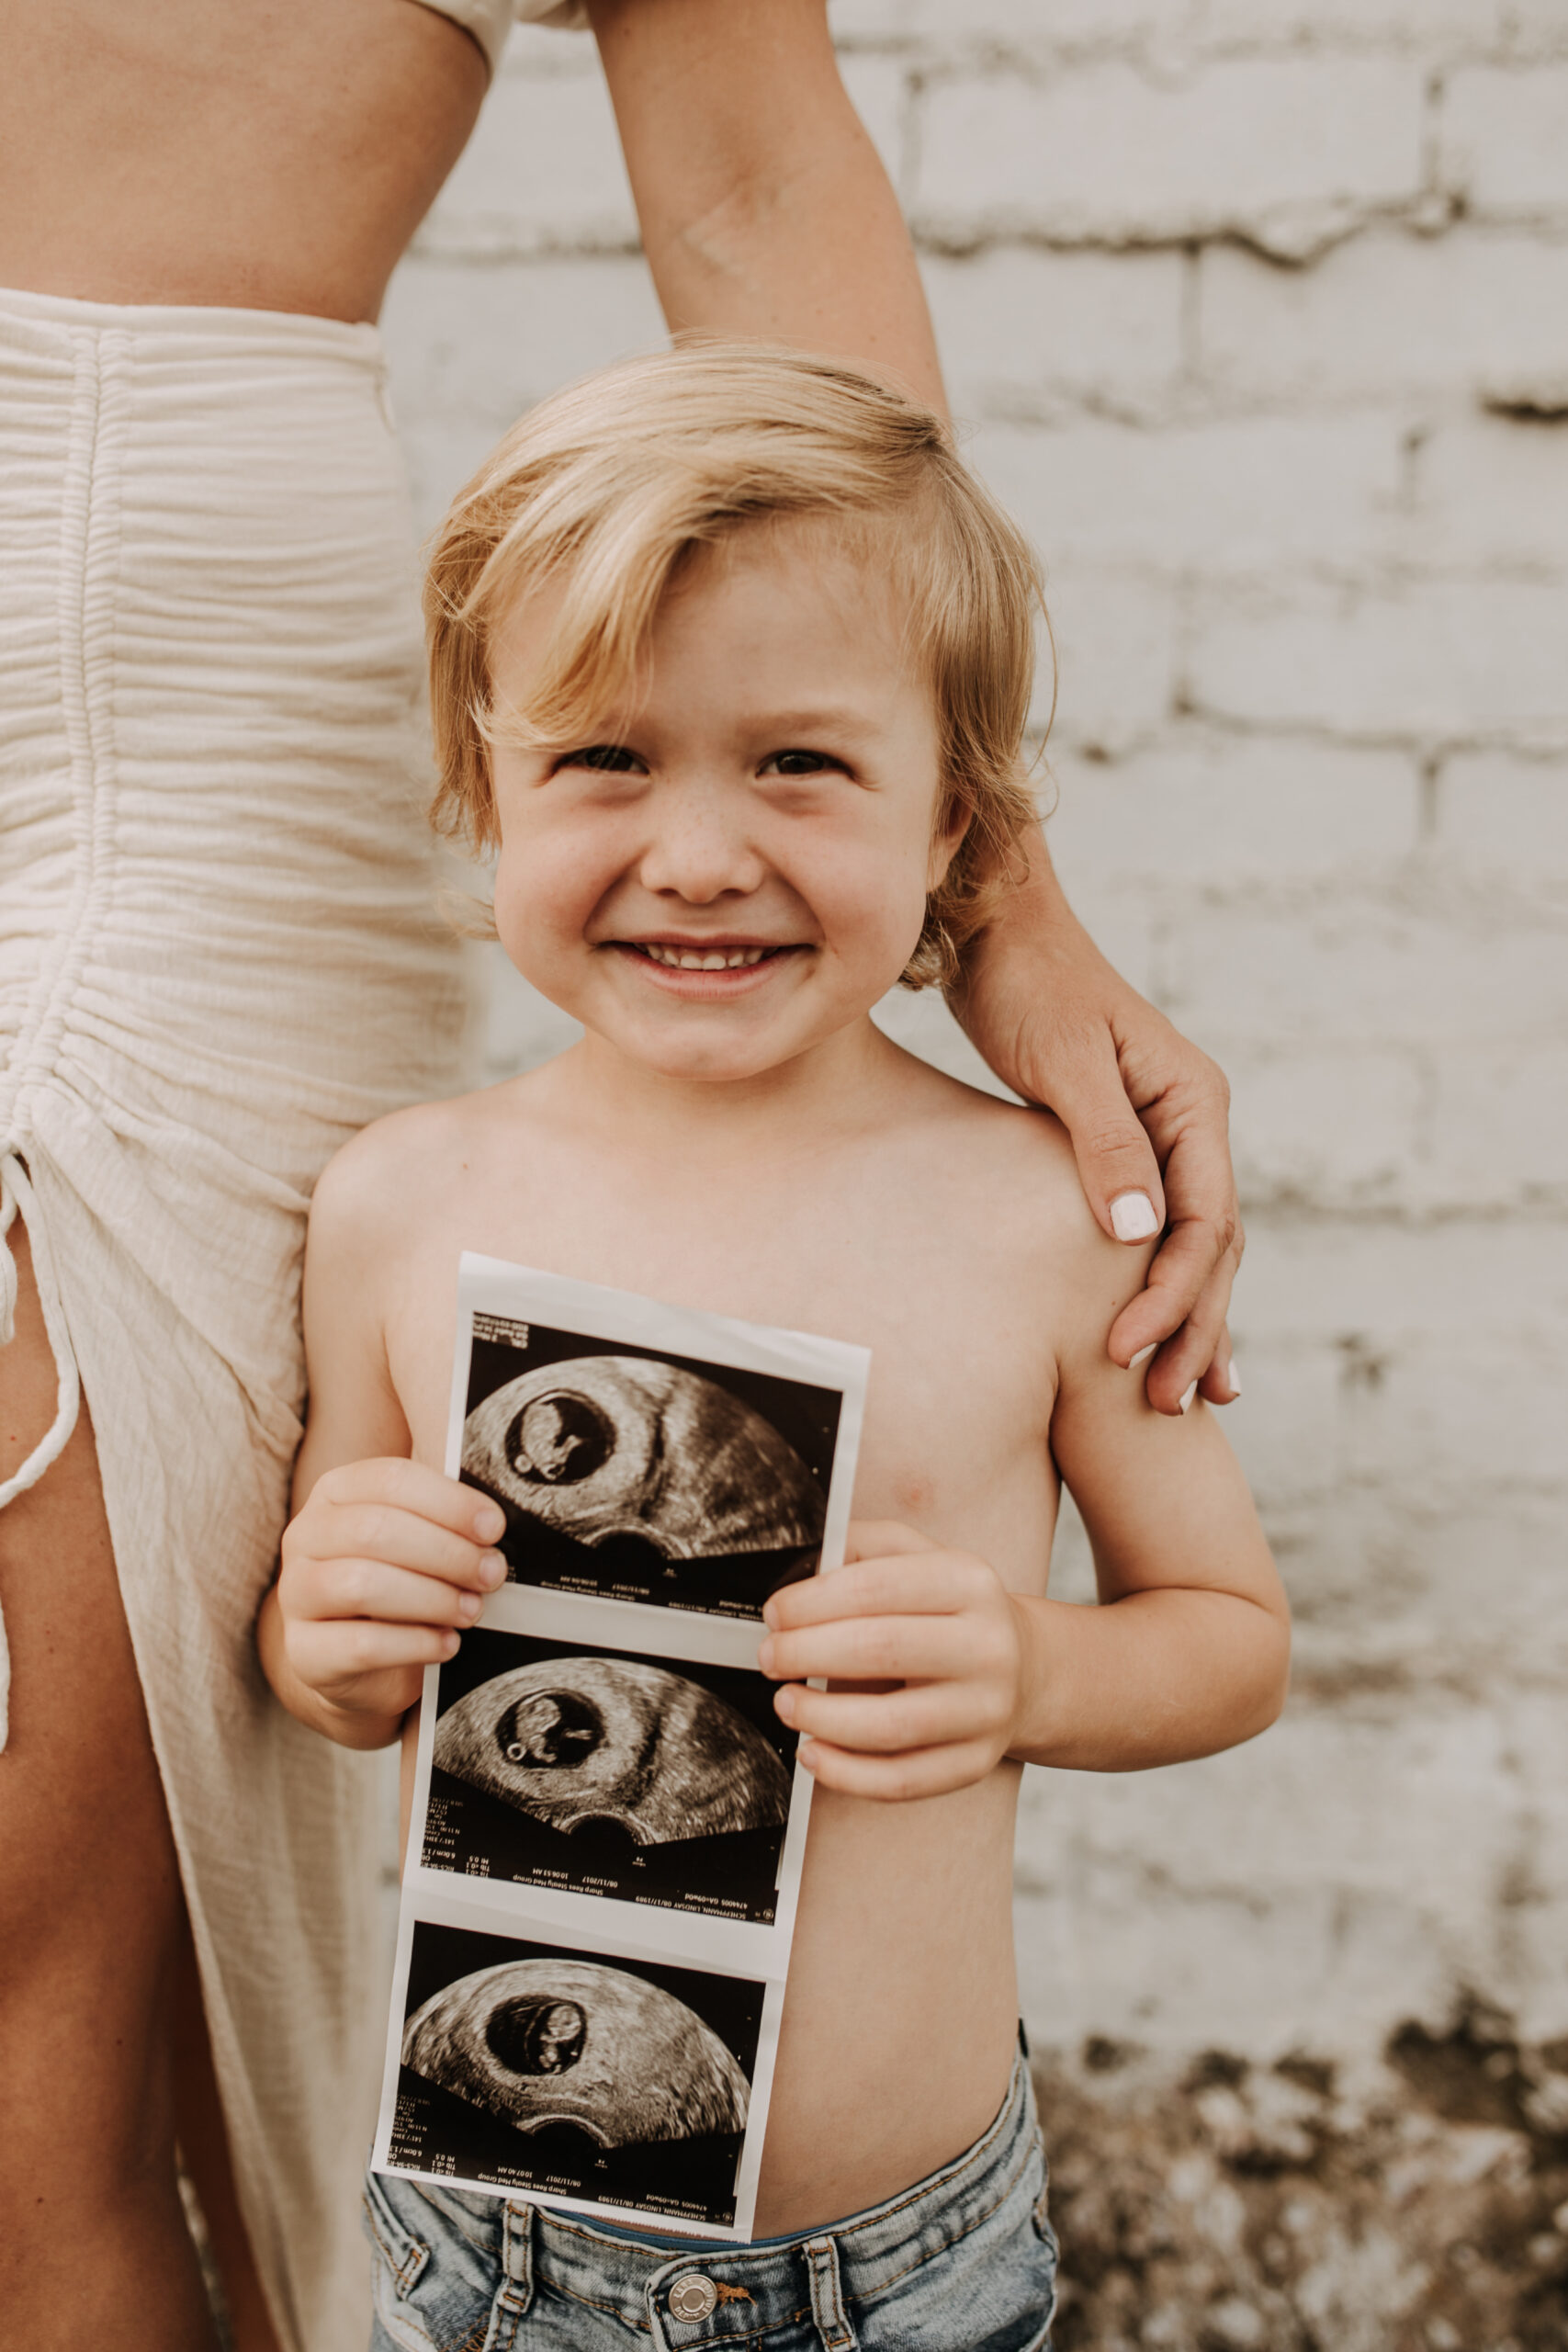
699	848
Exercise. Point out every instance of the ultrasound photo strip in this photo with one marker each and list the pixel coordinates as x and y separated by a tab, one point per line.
609	1820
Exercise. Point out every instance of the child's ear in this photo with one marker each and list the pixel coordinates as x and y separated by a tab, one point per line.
953	819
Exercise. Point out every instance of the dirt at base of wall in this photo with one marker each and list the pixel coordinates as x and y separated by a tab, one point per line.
1416	2204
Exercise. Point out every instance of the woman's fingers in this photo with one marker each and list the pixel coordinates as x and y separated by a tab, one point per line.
1184	1102
1117	1165
1194	1345
1221	1384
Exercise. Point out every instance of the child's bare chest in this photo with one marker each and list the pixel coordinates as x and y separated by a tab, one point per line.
954	1442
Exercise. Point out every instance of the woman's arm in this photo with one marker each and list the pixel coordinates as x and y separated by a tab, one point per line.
765	210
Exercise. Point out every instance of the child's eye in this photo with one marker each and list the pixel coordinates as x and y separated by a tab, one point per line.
800	764
612	759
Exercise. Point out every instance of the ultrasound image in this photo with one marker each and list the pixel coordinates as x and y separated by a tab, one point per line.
629	1476
609	1775
625	2082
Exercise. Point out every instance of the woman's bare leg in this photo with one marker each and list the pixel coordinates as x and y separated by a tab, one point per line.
204	2152
94	2248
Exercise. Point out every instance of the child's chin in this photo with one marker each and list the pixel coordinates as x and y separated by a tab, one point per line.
722	1068
673	1051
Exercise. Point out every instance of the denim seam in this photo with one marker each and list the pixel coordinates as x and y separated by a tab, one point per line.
590	2302
755	2334
947	2244
832	2321
404	2318
974	2160
516	2296
412	2261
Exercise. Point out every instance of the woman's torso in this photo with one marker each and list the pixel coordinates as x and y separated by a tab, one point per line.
197	152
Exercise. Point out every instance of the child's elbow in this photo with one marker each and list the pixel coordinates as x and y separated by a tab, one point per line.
1273	1673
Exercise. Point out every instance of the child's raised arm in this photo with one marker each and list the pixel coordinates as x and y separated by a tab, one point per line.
1187	1653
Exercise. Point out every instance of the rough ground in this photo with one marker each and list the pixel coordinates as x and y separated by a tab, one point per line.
1419	2206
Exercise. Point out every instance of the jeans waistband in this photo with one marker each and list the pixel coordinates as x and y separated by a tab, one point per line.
856	2258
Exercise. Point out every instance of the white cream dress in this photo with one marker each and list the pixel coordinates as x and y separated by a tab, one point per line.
219	956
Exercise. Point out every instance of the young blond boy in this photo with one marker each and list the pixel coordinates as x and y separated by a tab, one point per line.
732	662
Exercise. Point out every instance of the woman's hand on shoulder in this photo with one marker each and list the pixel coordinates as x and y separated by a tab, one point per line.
383	1567
926	1651
1148	1112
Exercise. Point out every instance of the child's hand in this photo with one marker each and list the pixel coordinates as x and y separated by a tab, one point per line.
932	1646
386	1560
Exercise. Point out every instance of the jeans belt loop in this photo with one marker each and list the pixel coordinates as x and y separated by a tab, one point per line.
517	2261
828	2310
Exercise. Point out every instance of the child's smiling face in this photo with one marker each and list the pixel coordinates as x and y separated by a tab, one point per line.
732	867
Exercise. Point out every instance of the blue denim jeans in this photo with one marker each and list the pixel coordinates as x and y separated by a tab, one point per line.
963	2262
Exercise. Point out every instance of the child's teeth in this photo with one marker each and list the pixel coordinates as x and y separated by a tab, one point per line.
687	960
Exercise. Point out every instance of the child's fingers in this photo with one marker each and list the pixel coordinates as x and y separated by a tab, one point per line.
927	1583
404	1539
896	1779
338	1590
895	1721
414	1486
328	1656
878	1539
884	1649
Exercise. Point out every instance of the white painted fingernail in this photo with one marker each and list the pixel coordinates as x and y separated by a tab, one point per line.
1143	1356
1132	1217
1188	1394
1233	1378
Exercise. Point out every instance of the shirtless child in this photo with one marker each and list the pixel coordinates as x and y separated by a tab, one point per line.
732	660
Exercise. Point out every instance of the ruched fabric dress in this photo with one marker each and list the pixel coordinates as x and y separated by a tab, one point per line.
219	956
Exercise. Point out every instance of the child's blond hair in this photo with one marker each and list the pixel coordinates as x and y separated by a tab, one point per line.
611	485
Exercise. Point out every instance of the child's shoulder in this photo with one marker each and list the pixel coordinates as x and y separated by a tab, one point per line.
1013	1152
392	1171
1003	1174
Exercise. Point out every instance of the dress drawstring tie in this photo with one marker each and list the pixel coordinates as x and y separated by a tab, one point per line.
17	1195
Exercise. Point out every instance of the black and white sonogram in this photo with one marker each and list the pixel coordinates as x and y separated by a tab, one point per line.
567	1766
637	1476
534	2067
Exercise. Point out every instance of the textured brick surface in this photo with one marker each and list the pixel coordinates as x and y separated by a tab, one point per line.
1257	311
1281	151
1505	140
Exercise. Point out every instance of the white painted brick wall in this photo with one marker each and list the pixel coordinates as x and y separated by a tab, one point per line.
1503	141
1285	149
1257	311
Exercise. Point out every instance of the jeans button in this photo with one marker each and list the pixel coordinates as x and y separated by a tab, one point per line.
692	2297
